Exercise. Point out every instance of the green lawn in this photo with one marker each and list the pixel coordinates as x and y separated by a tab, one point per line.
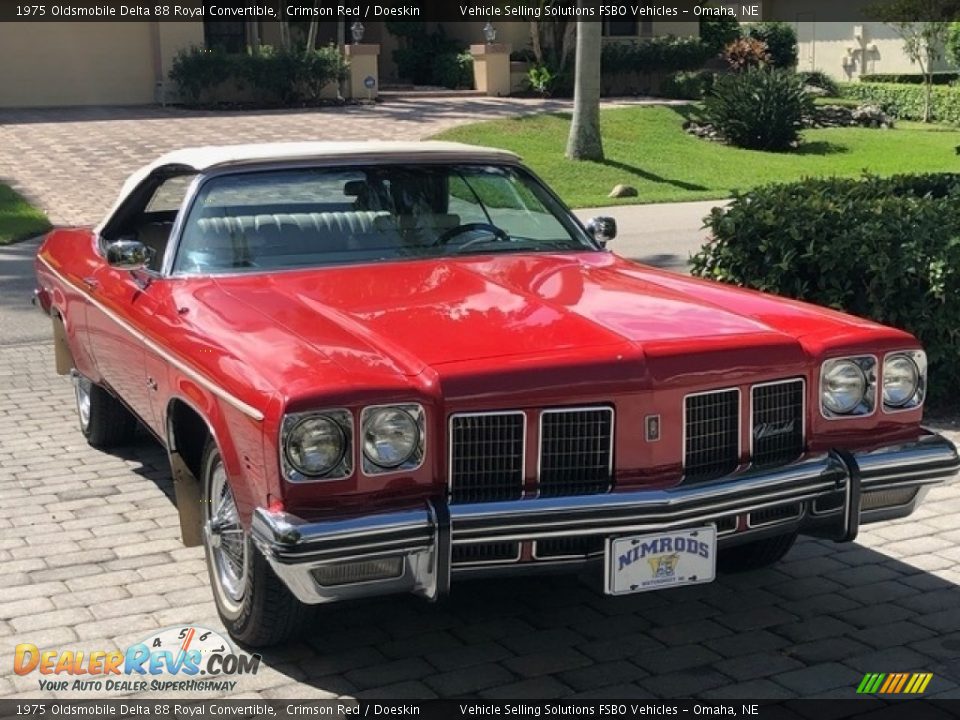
647	148
18	218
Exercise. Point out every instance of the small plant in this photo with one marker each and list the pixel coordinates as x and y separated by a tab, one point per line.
746	53
780	39
819	79
759	109
541	79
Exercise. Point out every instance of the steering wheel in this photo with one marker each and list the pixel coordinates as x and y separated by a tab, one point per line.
448	235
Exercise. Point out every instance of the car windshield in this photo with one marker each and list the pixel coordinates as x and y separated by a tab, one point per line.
313	217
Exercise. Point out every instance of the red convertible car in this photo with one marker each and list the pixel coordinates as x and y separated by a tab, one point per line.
378	367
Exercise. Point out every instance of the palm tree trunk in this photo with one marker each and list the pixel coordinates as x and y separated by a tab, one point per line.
584	142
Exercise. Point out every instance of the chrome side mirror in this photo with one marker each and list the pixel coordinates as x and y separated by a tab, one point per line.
602	229
129	255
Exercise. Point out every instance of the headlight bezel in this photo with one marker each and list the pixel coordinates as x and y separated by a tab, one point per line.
916	400
867	365
415	460
343	420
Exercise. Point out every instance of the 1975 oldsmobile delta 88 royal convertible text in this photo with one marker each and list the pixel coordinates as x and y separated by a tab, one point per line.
380	367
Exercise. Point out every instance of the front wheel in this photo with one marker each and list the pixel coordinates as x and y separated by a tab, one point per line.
757	554
255	606
104	421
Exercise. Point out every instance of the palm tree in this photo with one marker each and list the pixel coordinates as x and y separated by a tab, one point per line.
585	142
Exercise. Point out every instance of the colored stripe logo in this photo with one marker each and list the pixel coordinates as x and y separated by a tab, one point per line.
894	683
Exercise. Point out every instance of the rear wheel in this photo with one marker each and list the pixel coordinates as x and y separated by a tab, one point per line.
104	421
757	554
255	606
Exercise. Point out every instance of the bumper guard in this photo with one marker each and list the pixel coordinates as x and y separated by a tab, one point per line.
836	492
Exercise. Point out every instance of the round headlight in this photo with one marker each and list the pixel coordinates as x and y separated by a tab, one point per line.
390	437
900	380
843	387
315	445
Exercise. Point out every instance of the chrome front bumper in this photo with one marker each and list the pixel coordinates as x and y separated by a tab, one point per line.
828	495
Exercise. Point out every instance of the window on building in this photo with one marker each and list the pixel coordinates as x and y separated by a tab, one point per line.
628	28
229	36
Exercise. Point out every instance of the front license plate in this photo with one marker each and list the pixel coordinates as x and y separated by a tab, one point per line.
640	563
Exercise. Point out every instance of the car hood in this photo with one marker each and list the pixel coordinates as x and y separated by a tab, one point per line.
409	315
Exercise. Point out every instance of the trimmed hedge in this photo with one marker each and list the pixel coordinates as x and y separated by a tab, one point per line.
886	249
288	77
939	78
660	54
906	101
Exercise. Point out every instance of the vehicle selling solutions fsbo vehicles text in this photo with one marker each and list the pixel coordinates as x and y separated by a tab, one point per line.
548	11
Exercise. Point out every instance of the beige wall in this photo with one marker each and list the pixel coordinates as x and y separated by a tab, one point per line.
89	63
833	48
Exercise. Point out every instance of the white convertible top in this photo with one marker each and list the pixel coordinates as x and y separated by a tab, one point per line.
213	156
210	157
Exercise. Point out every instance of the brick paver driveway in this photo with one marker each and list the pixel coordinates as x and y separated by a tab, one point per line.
90	557
71	162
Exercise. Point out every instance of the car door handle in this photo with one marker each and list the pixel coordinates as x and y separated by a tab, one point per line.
91	283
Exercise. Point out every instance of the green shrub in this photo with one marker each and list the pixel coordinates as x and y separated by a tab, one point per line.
952	45
426	58
821	80
759	109
781	40
291	76
885	249
287	77
937	78
660	54
454	70
717	33
687	85
906	101
198	71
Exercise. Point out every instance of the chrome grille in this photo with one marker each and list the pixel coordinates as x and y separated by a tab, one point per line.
576	451
568	547
486	457
777	423
482	553
711	435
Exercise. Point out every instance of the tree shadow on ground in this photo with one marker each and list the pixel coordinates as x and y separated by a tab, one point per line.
821	147
651	177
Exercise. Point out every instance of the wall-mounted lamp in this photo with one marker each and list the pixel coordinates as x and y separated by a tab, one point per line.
356	32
